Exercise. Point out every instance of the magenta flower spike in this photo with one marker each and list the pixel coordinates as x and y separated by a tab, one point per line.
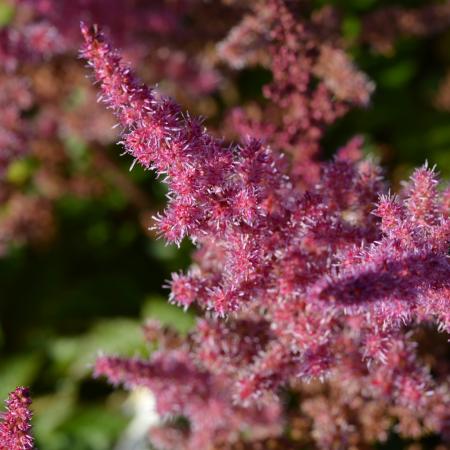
15	425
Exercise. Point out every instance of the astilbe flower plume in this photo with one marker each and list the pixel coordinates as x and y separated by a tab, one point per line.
314	81
15	423
31	42
316	284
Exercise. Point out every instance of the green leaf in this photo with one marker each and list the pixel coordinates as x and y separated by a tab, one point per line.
398	74
170	315
17	371
6	13
118	336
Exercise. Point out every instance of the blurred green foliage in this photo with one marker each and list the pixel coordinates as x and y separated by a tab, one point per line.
91	289
6	13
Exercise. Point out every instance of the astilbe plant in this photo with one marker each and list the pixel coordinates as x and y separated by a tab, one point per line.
314	81
15	423
306	290
313	283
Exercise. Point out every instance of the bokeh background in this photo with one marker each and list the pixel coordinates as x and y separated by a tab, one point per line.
91	283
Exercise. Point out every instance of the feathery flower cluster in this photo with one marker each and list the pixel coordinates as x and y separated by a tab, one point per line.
15	423
32	42
315	284
183	389
314	81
